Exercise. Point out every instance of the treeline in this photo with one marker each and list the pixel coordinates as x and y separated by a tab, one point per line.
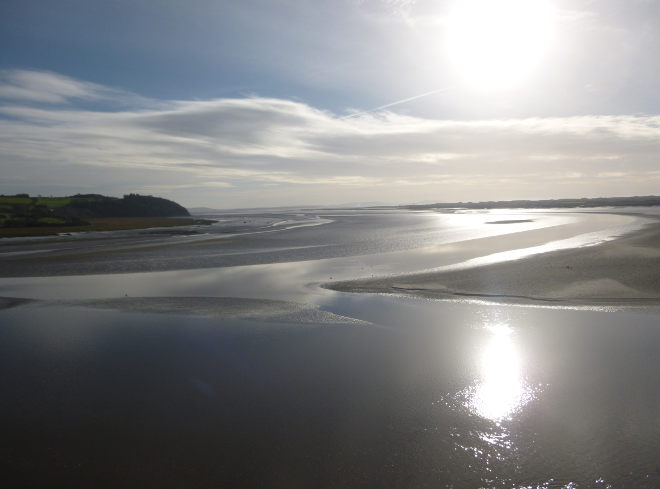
644	201
131	205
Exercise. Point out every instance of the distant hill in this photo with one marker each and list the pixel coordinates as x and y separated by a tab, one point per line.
22	210
645	201
131	205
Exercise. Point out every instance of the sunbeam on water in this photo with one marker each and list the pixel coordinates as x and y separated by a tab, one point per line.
501	390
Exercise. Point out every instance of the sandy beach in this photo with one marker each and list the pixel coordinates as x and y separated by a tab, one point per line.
624	270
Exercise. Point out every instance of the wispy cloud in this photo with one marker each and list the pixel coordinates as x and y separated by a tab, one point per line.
49	87
191	149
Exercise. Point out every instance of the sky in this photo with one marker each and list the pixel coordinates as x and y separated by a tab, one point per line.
308	102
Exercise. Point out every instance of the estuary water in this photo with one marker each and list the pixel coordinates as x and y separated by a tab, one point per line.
106	385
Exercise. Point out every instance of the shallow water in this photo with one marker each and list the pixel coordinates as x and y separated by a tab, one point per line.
418	393
433	394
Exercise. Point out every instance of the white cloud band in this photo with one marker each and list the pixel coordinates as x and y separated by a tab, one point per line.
251	142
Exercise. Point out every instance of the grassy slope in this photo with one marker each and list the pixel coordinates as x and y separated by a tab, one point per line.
38	216
11	205
53	202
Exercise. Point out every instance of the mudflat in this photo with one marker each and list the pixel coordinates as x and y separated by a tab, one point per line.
104	224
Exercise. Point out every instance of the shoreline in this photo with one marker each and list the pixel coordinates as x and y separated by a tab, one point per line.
623	271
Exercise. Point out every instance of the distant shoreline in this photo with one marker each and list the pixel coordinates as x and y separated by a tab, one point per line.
624	271
636	201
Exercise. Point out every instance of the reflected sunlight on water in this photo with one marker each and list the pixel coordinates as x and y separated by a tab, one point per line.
501	390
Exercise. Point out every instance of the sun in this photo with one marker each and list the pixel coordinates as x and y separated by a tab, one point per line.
495	44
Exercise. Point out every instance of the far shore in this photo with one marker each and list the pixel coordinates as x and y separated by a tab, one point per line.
625	270
104	224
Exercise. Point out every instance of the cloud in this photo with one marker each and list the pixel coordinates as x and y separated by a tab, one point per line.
197	149
49	87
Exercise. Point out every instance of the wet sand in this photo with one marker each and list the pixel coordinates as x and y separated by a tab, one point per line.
623	271
218	307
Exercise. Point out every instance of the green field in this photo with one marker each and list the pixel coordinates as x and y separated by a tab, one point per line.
23	211
53	202
9	199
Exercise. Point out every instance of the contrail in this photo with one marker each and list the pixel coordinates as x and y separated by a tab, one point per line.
398	102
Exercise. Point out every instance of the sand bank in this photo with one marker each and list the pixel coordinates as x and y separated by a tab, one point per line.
622	271
221	307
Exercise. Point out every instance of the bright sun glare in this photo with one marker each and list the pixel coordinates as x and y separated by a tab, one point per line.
495	44
502	390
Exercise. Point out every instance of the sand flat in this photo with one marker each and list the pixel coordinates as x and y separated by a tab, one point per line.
625	270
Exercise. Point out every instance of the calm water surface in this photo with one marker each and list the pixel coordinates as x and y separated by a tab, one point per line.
432	395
